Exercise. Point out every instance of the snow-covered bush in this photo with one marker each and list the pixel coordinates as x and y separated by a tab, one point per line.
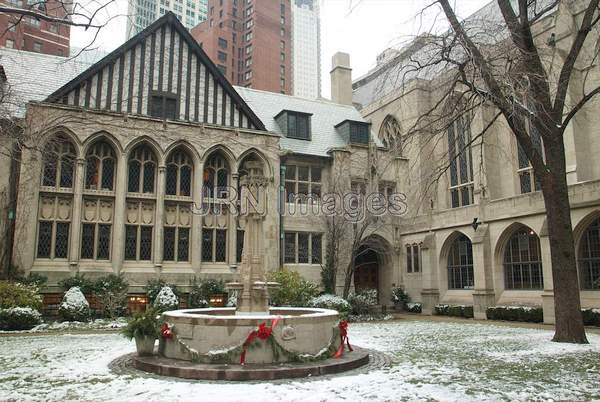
19	318
414	307
454	310
515	313
362	301
166	300
293	290
74	306
201	290
332	302
154	286
400	297
111	294
14	294
232	297
591	316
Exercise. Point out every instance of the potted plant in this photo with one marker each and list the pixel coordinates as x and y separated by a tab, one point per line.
143	327
400	298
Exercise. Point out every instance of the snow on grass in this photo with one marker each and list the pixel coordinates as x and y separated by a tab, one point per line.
431	361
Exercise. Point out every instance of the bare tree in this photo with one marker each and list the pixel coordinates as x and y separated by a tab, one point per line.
537	84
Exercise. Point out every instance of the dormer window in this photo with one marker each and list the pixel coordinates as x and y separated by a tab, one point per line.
294	124
163	106
356	132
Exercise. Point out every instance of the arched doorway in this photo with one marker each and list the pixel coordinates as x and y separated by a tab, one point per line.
366	269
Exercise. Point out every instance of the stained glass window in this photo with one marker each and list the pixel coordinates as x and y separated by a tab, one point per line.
59	159
142	170
100	163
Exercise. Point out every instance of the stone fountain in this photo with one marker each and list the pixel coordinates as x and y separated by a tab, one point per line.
212	343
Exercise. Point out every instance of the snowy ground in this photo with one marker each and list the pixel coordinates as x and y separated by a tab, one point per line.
432	361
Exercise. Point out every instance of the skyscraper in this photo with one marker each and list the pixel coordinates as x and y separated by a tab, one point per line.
306	49
144	12
250	42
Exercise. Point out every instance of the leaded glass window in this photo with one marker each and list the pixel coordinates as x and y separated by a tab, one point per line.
527	180
302	182
179	174
139	230
523	261
58	163
413	257
142	170
178	220
100	167
96	228
239	249
214	245
460	264
216	177
461	162
390	135
589	257
302	248
54	227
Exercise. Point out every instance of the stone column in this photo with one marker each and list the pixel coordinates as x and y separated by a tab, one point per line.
196	228
76	215
548	294
232	226
118	235
158	225
430	294
483	294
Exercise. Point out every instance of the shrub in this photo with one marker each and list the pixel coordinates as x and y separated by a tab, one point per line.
202	289
515	313
14	294
454	310
154	286
166	300
19	318
85	285
362	301
414	307
74	306
33	279
332	302
111	294
400	297
142	325
294	291
591	316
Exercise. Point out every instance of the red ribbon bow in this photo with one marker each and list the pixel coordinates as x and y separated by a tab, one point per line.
165	331
262	332
343	326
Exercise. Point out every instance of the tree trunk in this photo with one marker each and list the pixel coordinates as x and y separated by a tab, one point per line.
567	306
348	278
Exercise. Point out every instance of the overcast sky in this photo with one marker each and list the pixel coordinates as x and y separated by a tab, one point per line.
362	28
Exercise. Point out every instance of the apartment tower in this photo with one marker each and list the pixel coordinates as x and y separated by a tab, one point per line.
306	49
144	12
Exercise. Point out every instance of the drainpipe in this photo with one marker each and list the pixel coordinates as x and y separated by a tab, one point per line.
14	176
282	169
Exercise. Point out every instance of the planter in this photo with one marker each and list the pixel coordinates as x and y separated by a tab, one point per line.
145	345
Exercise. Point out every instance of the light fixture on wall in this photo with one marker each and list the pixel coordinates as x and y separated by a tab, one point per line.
475	223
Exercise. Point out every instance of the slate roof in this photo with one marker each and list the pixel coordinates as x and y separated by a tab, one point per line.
325	116
33	76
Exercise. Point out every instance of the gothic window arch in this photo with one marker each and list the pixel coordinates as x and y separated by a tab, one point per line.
215	224
460	264
178	207
589	257
97	214
142	170
100	167
523	261
179	174
141	204
390	134
56	199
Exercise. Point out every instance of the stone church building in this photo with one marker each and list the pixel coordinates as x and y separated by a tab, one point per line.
128	159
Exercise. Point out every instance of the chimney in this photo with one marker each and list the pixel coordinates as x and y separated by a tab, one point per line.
341	79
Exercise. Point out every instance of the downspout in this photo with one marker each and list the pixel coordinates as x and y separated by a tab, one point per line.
13	189
282	169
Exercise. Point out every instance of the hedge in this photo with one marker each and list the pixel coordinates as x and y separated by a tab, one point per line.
515	313
454	310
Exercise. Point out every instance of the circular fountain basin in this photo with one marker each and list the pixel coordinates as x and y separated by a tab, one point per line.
217	334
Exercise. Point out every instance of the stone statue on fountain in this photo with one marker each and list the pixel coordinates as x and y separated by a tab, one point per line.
252	286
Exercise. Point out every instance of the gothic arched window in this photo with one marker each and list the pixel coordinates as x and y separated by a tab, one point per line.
390	134
59	160
460	264
216	177
179	174
216	223
100	167
589	257
142	170
523	261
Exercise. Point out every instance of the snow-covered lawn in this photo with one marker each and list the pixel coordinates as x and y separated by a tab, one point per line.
432	361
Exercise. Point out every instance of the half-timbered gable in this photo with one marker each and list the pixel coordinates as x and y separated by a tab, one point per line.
161	72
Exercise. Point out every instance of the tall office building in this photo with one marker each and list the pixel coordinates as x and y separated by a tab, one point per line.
306	49
34	35
144	12
250	42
